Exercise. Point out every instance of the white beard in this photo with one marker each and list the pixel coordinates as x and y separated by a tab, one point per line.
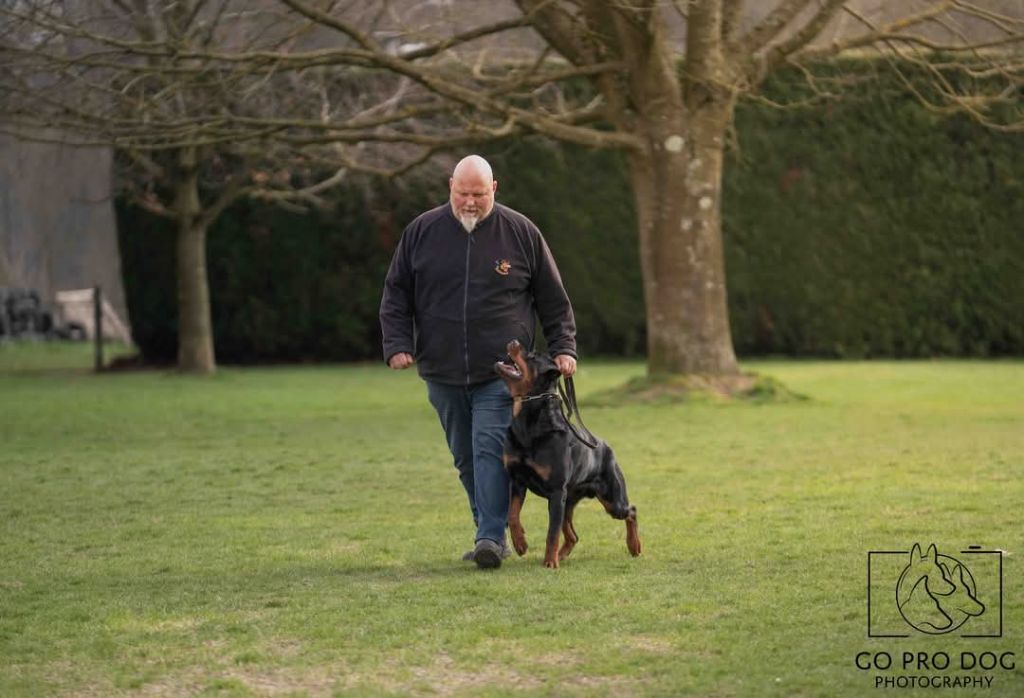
468	222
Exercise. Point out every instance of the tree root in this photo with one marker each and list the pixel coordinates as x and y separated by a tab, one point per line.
668	389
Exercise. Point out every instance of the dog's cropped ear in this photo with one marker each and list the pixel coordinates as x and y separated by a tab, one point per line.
540	363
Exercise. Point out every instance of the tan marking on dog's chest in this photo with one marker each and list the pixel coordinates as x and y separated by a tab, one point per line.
543	471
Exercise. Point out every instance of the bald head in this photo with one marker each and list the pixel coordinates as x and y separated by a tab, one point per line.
473	166
472	188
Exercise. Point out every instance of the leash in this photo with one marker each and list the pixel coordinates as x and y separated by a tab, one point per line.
568	395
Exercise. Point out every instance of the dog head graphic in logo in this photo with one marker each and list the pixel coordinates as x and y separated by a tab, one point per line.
502	266
936	594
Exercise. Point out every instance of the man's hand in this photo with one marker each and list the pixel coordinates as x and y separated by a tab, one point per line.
401	360
566	364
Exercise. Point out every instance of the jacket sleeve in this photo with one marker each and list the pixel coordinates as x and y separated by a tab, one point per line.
552	302
396	303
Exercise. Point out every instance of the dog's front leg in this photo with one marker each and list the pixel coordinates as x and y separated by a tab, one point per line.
556	517
569	537
517	494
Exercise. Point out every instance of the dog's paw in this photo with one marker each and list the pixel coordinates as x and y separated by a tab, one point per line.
519	542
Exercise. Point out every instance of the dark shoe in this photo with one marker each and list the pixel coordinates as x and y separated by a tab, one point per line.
506	552
487	554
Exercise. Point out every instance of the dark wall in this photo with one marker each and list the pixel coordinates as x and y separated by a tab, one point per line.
57	226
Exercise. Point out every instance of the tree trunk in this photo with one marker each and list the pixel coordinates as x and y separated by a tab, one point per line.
677	183
195	330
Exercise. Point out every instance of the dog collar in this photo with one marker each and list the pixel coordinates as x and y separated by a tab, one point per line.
528	398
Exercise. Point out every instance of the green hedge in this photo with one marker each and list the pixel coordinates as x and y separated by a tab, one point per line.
874	227
284	286
858	228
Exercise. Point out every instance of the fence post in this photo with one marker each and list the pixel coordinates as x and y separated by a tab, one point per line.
97	315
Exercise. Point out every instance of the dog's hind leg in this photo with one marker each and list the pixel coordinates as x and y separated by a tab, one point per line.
568	532
616	502
632	533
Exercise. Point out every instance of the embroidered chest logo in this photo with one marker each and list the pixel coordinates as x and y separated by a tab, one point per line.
503	266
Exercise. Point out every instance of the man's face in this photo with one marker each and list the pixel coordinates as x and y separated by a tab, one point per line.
472	197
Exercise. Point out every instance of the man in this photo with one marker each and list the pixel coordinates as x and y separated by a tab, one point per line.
468	277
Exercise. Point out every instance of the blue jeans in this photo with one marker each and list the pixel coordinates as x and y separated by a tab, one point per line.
475	419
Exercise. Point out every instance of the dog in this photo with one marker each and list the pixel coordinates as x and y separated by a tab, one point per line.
544	453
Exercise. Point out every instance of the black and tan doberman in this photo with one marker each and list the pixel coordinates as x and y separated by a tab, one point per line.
544	454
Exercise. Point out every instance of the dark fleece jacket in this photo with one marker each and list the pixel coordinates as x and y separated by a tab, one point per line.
454	299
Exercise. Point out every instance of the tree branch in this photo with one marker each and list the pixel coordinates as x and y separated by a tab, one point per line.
470	35
704	39
874	35
236	189
732	12
806	34
336	23
771	26
563	31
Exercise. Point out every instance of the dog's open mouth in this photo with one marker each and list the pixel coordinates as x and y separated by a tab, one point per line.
508	369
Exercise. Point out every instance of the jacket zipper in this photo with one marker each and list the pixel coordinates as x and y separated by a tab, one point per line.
465	307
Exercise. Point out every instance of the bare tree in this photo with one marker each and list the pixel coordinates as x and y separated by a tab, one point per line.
383	86
130	74
666	78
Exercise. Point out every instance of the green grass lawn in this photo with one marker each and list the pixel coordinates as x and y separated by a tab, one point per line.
297	531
